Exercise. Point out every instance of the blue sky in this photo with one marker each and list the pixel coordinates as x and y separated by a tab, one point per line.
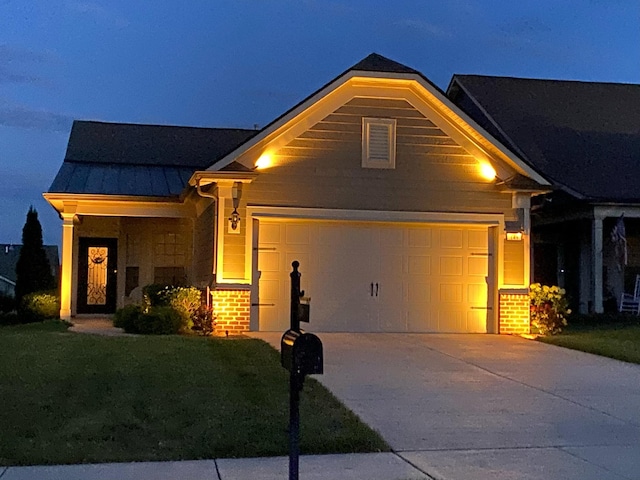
244	62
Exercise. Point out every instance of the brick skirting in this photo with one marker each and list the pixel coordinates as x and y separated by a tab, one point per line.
232	310
515	310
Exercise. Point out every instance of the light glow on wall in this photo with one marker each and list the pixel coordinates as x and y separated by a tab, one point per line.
487	171
265	161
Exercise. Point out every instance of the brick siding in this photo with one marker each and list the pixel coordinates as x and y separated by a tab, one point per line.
515	311
232	309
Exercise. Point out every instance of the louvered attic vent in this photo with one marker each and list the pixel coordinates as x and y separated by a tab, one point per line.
378	143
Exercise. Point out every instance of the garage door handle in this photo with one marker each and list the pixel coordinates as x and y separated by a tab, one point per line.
376	289
371	290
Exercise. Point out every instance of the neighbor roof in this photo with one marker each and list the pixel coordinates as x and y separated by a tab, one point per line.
584	136
142	160
9	255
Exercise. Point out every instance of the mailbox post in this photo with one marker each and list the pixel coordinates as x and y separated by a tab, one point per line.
301	354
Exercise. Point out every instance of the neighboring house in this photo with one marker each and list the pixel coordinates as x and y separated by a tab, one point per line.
585	138
395	202
9	255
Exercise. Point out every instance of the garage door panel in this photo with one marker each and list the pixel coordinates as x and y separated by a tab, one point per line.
271	233
452	238
451	293
478	239
477	321
477	266
419	264
420	237
450	265
297	234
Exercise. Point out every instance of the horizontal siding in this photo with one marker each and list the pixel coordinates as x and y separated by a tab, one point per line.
513	262
322	167
234	245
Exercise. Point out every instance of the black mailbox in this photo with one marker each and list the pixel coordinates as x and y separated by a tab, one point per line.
301	353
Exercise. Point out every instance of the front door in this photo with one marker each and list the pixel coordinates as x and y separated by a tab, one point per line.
97	273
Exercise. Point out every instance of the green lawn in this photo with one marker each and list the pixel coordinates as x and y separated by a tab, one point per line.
74	398
620	341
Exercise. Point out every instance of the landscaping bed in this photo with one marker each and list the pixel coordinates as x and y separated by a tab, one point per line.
73	398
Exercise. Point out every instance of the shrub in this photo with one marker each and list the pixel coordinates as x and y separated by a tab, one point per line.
39	306
204	321
153	295
549	308
127	317
159	321
7	303
185	300
9	318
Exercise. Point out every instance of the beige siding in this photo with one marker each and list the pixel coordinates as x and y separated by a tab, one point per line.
203	247
234	246
322	168
513	262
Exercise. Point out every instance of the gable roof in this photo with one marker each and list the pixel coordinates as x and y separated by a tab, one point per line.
141	160
584	136
374	76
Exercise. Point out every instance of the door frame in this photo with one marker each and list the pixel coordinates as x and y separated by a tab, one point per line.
112	275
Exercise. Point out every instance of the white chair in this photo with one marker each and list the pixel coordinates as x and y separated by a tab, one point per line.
631	303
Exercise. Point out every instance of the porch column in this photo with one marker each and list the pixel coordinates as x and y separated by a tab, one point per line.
596	261
67	264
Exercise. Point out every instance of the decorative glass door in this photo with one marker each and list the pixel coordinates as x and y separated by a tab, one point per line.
97	274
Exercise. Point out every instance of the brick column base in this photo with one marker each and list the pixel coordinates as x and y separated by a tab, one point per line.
515	310
232	310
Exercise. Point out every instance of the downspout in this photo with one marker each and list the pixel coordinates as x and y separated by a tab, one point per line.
214	196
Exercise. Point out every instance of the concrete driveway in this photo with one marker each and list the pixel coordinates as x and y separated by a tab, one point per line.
469	407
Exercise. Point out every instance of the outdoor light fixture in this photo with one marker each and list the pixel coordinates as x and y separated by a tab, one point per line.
513	231
487	171
234	219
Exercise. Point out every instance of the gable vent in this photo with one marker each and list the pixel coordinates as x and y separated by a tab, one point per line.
378	143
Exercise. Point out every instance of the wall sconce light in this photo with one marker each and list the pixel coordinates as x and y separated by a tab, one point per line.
514	236
234	219
514	231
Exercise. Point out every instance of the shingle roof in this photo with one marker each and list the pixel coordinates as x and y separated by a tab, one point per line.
377	63
133	159
582	135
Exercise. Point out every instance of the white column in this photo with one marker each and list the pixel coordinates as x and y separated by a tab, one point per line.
596	261
67	266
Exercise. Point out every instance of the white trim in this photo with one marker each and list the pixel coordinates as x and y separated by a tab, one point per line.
376	215
388	159
412	87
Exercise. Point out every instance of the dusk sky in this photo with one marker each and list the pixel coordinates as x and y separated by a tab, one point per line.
239	63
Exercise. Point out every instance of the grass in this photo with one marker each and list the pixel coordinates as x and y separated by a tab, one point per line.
612	336
73	398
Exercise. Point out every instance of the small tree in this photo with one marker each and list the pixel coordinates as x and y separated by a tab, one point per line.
33	271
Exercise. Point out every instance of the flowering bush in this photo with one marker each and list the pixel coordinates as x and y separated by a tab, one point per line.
549	308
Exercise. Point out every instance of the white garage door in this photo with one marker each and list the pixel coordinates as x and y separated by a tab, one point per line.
373	277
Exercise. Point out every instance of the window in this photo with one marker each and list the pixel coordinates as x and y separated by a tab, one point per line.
378	143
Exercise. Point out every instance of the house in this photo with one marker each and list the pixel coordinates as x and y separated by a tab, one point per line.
9	255
405	214
584	137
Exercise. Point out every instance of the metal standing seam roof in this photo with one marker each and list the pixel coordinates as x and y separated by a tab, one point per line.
584	136
140	160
